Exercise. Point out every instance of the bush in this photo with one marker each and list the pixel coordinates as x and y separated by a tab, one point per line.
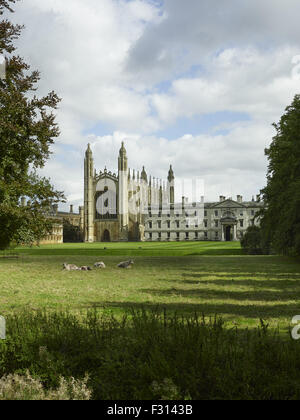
252	241
145	356
17	387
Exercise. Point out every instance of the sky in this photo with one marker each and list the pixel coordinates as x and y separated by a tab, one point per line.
196	84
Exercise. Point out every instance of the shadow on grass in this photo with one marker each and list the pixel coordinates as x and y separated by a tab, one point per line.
278	311
258	295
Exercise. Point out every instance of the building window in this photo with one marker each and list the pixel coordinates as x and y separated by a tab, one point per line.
241	223
217	235
159	225
205	213
216	223
169	224
159	236
169	235
216	213
187	235
177	235
242	213
252	213
150	235
205	235
196	235
205	223
150	225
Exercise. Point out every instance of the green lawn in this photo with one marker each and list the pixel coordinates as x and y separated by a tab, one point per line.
138	249
183	277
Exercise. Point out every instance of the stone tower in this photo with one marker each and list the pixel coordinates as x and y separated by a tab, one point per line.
171	187
88	196
123	193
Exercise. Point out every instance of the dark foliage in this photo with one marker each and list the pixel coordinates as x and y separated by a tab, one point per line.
281	215
27	130
151	355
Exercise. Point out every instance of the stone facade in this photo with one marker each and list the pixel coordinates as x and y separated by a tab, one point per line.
226	220
130	207
58	217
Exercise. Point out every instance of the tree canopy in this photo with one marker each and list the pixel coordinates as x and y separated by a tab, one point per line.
281	216
27	130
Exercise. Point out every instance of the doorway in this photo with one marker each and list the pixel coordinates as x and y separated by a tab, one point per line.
228	233
106	236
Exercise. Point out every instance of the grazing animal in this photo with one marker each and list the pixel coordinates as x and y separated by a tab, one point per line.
126	264
70	267
85	268
99	265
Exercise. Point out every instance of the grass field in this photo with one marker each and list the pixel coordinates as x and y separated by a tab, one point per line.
140	333
209	278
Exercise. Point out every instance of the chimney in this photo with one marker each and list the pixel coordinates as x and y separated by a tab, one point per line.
71	208
239	199
222	198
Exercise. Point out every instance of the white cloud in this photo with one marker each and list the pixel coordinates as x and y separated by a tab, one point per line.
238	80
108	58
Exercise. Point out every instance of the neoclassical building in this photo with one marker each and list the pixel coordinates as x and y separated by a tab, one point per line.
129	206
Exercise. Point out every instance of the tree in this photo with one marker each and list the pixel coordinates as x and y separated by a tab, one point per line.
27	130
281	215
252	241
71	233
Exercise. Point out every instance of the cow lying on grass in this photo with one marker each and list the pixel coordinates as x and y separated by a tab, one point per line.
126	264
85	268
70	267
99	265
73	267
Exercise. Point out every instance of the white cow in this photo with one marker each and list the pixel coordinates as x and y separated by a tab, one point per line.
70	267
99	265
